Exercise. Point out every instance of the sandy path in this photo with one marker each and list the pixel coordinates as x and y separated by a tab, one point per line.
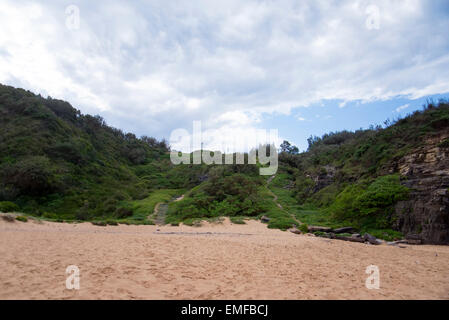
220	261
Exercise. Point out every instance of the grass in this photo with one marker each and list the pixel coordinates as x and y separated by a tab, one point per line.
238	220
22	218
144	208
279	218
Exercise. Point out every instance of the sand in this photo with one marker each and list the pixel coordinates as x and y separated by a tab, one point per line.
215	261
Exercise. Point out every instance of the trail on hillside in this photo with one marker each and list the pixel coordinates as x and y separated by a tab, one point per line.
275	199
160	211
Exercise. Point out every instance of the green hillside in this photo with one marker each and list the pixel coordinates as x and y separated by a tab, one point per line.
59	164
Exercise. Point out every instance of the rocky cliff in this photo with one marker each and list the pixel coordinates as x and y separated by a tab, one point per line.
425	215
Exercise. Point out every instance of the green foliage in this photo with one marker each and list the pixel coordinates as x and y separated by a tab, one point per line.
304	188
304	228
53	158
123	212
8	206
237	220
142	209
221	195
62	165
288	148
373	203
22	218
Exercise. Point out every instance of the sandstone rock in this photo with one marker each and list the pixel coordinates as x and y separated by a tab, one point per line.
8	218
344	230
370	239
361	240
317	228
295	231
426	213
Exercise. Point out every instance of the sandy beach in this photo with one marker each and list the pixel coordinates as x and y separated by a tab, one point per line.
214	261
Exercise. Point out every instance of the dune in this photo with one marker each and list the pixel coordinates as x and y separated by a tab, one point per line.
214	261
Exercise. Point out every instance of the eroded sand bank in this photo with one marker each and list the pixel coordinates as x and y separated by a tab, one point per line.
215	261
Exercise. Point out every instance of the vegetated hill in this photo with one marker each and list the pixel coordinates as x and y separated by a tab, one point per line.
57	161
59	164
395	177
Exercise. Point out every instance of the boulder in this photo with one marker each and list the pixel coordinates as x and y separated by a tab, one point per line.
8	218
351	239
344	230
295	230
395	243
321	229
370	239
265	219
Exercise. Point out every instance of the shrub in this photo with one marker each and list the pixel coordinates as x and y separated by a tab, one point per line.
22	218
237	220
123	212
304	228
373	204
7	206
33	176
111	223
83	212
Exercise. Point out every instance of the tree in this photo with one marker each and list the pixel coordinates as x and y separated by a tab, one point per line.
288	148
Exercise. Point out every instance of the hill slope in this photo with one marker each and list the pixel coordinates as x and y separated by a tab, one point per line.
60	164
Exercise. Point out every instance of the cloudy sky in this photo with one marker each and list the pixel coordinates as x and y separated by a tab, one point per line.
301	67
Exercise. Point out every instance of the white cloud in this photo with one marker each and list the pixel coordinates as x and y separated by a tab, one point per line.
405	106
153	67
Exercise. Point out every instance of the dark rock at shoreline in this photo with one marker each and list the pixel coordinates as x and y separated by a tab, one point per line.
370	239
320	229
344	230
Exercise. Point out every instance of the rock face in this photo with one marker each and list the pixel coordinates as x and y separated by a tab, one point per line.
425	216
325	178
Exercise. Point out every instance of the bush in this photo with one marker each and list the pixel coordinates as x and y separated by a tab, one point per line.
122	212
237	220
304	228
7	206
33	176
373	204
83	212
22	218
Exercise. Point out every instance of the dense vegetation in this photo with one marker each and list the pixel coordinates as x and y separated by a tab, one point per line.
59	164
